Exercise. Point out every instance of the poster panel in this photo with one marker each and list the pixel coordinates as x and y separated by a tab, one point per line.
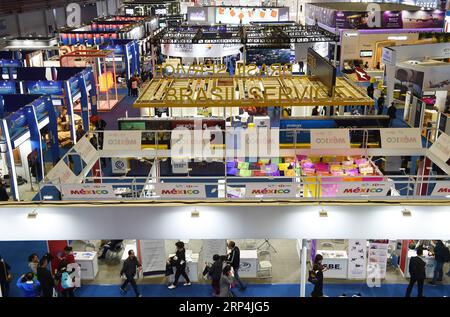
153	256
183	190
357	259
61	173
86	150
442	188
120	140
358	189
441	148
269	190
87	191
400	138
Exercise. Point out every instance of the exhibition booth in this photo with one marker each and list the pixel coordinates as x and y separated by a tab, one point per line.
417	75
364	34
151	8
28	122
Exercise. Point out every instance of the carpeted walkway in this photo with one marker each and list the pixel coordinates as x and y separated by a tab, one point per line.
262	290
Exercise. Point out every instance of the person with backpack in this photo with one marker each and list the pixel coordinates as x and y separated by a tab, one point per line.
316	276
65	282
129	269
441	255
29	285
5	277
417	271
215	273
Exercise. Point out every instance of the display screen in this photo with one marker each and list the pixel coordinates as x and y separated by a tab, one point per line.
366	53
161	11
320	67
131	125
129	11
197	14
268	56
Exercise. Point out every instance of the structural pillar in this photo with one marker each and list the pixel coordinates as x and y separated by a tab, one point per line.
303	268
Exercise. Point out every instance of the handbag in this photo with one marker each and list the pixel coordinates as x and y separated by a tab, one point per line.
8	276
312	278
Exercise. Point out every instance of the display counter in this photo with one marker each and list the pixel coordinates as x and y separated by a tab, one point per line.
429	260
248	264
89	264
336	262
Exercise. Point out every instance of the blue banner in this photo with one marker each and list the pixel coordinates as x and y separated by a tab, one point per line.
44	87
7	87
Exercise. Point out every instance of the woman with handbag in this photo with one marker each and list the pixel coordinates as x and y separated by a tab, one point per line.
316	276
180	264
5	277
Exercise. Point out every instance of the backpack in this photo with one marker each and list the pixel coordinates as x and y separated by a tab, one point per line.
66	281
446	254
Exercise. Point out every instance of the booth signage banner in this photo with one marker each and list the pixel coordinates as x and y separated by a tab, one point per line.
7	87
120	140
378	254
153	256
400	138
44	87
205	50
357	189
388	56
330	139
87	191
172	190
441	188
357	259
269	190
86	150
441	148
61	173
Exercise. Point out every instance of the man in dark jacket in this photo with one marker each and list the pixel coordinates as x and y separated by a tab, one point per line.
234	259
440	256
392	113
129	269
380	104
45	278
3	193
4	273
417	272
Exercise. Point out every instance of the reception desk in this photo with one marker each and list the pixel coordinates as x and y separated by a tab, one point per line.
249	263
88	264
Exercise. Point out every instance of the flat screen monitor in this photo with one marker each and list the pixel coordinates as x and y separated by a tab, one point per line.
366	53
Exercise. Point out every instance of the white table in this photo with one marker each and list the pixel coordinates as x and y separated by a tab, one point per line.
336	262
88	264
429	260
249	263
191	267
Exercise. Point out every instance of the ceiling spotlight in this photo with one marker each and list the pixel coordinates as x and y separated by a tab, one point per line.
406	212
33	214
195	213
323	213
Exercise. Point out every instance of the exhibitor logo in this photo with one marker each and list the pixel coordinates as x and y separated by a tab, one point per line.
401	140
330	140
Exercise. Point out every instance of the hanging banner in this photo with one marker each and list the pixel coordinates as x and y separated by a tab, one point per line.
153	256
61	173
87	191
122	140
7	87
357	260
211	247
86	150
269	190
401	138
44	87
330	139
185	190
441	188
441	148
357	189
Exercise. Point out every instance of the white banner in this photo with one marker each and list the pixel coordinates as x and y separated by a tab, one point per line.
204	50
357	259
269	190
122	140
87	191
441	147
153	256
378	254
61	173
442	188
330	139
211	247
357	189
86	150
400	138
183	190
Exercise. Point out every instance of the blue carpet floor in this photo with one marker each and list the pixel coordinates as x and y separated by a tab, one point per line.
262	290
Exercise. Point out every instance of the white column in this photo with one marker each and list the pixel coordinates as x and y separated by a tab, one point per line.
303	269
